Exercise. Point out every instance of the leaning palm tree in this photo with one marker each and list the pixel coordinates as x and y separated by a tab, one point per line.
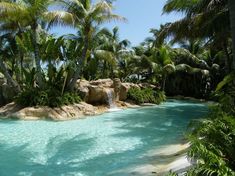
32	13
204	19
87	17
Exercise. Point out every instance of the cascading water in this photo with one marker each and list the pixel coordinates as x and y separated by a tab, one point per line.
111	101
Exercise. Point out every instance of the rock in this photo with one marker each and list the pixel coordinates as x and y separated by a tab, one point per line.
34	113
82	89
75	111
98	95
9	109
95	92
83	83
103	83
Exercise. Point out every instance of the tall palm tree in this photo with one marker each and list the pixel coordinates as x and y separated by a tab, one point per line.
204	19
32	13
87	16
113	50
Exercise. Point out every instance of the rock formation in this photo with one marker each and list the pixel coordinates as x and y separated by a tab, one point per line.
97	96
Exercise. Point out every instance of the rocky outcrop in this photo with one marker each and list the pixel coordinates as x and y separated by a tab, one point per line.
69	112
63	113
95	92
9	109
99	94
108	83
82	88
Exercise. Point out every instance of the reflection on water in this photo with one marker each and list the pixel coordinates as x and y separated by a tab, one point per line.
93	146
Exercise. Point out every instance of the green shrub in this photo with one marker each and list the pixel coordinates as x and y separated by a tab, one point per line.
145	95
213	145
51	97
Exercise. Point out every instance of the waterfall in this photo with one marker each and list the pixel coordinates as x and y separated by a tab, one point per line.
110	99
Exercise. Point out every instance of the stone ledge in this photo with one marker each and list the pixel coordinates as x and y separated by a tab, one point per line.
70	112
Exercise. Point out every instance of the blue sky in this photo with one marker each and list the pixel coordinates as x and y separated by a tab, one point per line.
141	15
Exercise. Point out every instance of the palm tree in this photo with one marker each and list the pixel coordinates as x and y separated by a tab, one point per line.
87	17
32	13
204	19
111	50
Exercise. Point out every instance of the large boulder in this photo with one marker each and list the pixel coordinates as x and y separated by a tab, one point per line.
82	89
9	109
63	113
102	83
98	95
96	92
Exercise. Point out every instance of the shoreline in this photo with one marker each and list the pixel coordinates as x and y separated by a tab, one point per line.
174	156
73	111
166	158
64	113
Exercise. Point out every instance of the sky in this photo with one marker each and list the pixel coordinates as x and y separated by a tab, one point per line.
141	15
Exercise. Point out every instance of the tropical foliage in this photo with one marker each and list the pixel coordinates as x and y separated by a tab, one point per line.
209	24
190	57
146	95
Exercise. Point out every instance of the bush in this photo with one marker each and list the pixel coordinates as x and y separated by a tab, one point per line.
51	97
145	95
213	144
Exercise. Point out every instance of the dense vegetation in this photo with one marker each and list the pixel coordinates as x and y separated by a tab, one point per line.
211	22
31	57
49	97
146	95
44	69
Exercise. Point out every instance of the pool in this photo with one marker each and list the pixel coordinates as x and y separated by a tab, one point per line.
94	146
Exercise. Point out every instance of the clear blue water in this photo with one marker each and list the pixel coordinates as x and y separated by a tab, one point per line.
95	146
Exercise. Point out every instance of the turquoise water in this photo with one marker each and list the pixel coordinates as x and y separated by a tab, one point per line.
95	146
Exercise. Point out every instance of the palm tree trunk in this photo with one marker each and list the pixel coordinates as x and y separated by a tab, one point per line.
231	4
227	59
164	82
10	80
21	54
21	66
37	57
80	68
